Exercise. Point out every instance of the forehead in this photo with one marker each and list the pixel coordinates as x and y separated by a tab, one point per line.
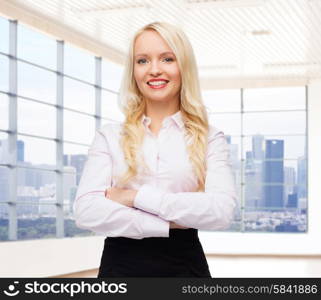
150	42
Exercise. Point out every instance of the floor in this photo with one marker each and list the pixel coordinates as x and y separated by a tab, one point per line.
249	266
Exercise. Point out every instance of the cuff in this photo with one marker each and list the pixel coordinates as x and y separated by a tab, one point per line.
149	198
153	226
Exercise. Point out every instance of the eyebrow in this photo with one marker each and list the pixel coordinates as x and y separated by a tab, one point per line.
164	53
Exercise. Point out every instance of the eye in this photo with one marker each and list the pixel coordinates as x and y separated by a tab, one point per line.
141	61
168	59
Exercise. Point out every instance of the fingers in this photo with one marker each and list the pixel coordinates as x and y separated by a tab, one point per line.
107	193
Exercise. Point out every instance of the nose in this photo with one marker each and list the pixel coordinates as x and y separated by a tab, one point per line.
155	69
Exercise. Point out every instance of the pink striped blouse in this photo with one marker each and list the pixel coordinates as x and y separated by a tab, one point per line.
166	189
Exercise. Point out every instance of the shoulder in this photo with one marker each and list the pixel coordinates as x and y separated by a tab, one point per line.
215	133
217	141
110	129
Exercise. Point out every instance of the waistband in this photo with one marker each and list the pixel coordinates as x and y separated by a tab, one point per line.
174	235
183	233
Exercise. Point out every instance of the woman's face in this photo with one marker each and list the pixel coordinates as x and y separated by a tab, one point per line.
155	68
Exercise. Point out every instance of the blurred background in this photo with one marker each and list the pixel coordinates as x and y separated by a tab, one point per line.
259	62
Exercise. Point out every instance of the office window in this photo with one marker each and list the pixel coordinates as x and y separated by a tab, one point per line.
79	63
111	75
36	152
4	34
4	218
275	160
4	74
275	123
79	96
43	125
37	187
224	112
222	100
36	221
36	47
266	132
75	157
109	107
4	111
36	83
78	128
40	178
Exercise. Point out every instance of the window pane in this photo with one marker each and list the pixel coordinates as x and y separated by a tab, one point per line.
4	184
36	47
276	171
235	158
110	109
293	146
36	221
274	123
78	128
230	124
4	73
70	187
4	221
36	83
111	75
222	100
74	159
277	186
265	220
235	147
4	148
70	227
274	98
4	111
79	96
42	124
37	152
36	186
79	64
4	33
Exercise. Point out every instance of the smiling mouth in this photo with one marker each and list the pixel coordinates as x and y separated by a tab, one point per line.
157	83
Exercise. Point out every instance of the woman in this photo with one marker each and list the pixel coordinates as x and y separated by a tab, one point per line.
150	183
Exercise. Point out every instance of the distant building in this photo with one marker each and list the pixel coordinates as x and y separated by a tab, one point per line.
302	177
292	201
290	186
274	174
77	161
20	151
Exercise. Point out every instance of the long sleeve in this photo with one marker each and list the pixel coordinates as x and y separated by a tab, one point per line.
94	212
212	209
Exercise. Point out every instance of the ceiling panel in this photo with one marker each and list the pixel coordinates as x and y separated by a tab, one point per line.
263	39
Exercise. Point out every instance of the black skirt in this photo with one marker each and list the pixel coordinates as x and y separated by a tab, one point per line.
179	255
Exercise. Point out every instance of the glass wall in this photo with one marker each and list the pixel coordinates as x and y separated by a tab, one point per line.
266	131
34	108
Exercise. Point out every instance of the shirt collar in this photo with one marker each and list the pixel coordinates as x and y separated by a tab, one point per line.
176	118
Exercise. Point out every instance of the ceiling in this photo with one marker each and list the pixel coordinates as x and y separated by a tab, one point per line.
232	39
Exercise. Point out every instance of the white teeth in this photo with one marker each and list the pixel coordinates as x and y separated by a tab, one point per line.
156	82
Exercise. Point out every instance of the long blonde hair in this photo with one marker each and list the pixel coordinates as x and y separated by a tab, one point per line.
192	108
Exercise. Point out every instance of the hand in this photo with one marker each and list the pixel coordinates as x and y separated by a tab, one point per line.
123	196
173	225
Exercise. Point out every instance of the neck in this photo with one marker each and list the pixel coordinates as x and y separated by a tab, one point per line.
157	111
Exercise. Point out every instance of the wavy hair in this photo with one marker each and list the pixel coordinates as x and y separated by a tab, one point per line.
192	109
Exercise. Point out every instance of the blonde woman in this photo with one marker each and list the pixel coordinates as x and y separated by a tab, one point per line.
151	182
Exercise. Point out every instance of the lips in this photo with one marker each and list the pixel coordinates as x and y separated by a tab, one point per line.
157	83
